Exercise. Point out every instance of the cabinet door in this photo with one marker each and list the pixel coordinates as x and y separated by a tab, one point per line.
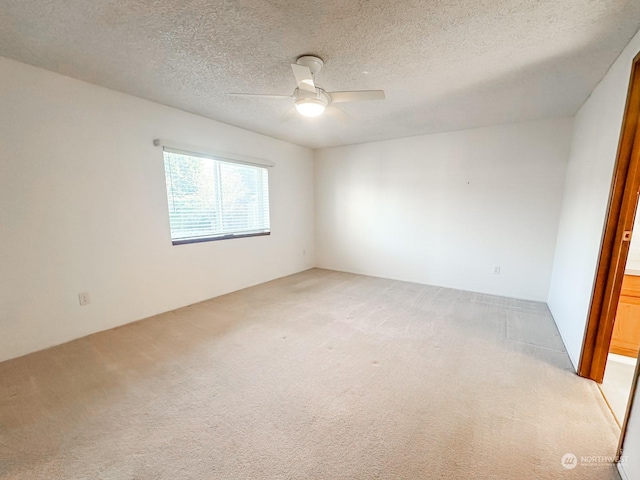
630	286
626	330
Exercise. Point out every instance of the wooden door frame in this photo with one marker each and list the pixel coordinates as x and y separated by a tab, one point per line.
623	201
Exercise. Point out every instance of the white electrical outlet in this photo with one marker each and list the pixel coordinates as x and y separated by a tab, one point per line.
83	298
496	270
304	253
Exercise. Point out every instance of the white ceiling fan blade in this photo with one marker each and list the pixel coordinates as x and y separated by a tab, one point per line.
288	115
259	95
357	96
303	78
338	114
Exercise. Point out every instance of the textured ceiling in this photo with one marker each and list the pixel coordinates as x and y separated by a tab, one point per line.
444	64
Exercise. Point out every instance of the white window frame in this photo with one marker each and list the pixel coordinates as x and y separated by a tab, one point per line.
199	152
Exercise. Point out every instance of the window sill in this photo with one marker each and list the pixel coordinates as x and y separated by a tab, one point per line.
215	239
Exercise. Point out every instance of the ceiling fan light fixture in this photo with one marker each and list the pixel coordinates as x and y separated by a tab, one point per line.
311	107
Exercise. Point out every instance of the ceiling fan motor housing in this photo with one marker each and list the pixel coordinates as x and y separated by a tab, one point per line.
321	96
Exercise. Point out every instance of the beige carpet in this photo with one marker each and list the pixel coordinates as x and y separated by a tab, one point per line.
321	375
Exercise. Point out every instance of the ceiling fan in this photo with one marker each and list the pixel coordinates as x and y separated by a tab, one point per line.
311	100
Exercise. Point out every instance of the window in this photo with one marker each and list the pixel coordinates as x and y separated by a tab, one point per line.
213	198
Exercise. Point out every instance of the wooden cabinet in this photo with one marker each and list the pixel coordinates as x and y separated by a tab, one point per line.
626	329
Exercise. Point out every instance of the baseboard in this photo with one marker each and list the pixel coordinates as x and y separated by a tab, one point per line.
621	472
74	337
623	359
562	337
420	282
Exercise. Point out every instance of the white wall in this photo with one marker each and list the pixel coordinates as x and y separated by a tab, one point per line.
83	208
631	448
586	197
444	209
588	183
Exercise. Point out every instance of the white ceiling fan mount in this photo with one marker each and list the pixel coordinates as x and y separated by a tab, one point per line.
309	99
312	62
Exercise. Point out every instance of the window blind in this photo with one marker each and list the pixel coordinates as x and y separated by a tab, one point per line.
210	198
